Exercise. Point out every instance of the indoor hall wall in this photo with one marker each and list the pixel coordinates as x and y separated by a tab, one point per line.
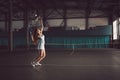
55	22
76	23
18	24
2	25
93	22
79	23
15	25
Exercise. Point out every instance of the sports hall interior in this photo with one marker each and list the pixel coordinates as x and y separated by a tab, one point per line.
82	39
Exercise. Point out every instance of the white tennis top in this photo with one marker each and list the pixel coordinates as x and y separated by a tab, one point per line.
41	42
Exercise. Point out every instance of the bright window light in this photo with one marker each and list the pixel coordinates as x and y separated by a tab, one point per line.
115	31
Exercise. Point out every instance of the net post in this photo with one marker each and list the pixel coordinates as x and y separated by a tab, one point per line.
73	48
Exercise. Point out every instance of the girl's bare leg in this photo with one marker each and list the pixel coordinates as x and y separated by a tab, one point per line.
42	55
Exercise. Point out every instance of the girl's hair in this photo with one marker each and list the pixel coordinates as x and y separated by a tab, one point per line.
35	34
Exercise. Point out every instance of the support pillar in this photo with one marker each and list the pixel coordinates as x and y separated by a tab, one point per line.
64	17
86	20
26	17
10	33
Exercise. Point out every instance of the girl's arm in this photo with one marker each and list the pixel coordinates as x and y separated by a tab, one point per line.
41	22
31	35
32	38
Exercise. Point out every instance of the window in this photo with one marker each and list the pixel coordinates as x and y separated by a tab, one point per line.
115	30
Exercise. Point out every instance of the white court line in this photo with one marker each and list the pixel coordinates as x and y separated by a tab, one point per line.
62	65
81	65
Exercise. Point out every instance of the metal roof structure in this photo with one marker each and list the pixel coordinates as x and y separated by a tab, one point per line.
89	7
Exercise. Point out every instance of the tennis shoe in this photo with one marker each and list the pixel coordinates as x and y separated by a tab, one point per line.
38	64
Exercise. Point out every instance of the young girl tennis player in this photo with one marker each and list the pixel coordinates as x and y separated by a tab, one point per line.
38	39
